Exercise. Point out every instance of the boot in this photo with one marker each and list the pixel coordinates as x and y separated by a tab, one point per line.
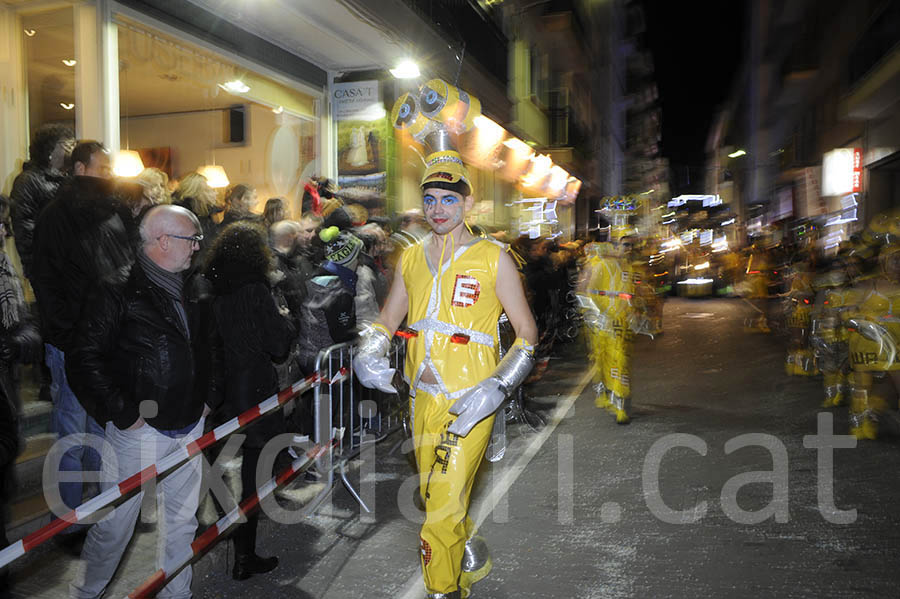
246	562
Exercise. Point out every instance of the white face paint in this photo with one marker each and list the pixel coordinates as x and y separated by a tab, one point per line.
444	210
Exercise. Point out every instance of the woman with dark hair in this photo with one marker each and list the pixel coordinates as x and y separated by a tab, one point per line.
36	185
239	203
252	333
273	212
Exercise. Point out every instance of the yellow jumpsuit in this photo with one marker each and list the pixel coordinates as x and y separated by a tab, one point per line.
611	287
455	311
831	337
800	360
878	302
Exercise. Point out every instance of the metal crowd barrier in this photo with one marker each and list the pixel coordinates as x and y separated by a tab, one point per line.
341	403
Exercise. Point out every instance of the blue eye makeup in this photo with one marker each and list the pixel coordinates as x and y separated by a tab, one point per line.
429	200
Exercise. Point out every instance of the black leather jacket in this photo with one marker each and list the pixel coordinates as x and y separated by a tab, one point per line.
82	240
31	192
131	348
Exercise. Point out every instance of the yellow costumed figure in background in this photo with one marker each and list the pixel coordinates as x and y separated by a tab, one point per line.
800	359
451	287
828	337
606	299
873	324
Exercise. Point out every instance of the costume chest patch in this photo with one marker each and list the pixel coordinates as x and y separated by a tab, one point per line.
466	290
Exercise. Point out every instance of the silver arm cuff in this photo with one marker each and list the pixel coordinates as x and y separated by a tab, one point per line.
373	342
514	367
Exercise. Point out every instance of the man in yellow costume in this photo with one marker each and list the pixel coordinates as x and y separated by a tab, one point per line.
451	287
606	299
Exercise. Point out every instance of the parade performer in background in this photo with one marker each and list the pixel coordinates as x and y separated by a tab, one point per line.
605	296
799	304
451	287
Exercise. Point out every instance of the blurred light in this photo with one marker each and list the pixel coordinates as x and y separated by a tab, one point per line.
518	146
69	62
737	154
215	175
407	69
730	221
558	179
648	192
30	32
695	282
702	266
235	86
488	135
841	171
127	163
488	126
573	186
67	106
540	168
278	109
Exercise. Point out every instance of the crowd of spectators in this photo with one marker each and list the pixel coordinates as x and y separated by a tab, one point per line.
162	309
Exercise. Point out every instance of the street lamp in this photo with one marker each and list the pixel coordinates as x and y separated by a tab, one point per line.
407	69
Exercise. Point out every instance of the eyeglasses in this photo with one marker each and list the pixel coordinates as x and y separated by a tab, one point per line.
192	238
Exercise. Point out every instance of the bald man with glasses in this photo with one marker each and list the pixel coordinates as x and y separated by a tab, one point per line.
133	367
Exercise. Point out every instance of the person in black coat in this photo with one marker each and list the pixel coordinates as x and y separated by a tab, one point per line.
36	185
253	332
11	446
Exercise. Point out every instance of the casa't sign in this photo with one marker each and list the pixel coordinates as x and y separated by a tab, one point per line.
356	101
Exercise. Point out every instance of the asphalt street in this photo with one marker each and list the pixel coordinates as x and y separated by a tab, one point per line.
716	489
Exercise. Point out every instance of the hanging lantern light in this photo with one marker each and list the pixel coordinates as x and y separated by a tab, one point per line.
127	163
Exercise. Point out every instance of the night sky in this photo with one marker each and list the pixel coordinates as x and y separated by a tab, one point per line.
697	47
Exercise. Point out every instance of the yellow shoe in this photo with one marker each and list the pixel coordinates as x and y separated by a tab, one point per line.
602	401
869	429
622	417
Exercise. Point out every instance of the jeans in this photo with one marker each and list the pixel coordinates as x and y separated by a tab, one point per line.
68	418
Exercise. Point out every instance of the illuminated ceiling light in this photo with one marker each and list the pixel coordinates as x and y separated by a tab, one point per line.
573	186
558	179
278	109
215	175
69	62
407	69
489	126
127	163
30	32
518	146
235	86
737	154
67	106
540	168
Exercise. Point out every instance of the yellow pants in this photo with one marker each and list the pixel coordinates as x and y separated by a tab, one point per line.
611	351
447	466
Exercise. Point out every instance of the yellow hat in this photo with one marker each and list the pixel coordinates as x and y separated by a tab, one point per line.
445	167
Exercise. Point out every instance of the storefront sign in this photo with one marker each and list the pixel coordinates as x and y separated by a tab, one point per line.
357	101
842	171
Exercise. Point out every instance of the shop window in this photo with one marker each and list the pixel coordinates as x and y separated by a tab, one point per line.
50	62
183	107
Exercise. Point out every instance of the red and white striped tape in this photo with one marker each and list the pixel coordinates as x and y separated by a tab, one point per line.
170	462
156	581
